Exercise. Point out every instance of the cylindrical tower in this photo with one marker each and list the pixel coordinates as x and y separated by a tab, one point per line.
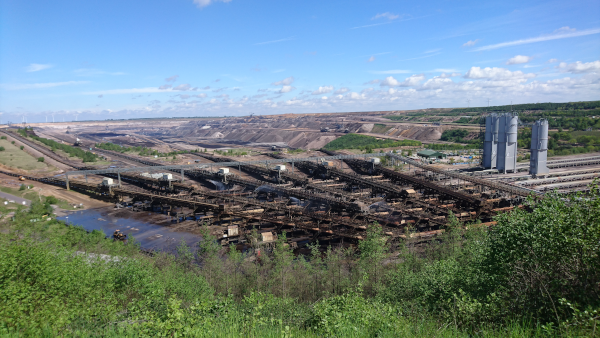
539	148
507	142
490	145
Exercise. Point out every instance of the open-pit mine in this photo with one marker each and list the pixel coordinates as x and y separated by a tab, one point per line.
249	179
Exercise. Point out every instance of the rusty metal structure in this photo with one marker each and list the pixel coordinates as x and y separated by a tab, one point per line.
317	200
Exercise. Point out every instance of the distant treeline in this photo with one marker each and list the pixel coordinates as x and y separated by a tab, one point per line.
86	156
534	106
142	151
364	142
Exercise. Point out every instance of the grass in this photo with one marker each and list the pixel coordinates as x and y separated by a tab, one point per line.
357	141
33	195
380	128
595	133
14	157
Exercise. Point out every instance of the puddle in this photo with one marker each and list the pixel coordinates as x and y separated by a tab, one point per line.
150	236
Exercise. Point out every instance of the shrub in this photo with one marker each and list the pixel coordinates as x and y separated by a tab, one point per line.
3	138
41	159
22	187
51	200
2	149
21	147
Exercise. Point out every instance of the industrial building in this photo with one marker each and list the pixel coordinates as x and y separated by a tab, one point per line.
490	145
539	148
507	142
430	154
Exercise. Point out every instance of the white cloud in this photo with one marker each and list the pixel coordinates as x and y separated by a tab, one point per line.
172	78
323	90
373	81
201	96
371	59
324	98
343	90
495	74
470	43
391	71
552	60
390	81
204	3
559	34
444	75
286	89
36	67
184	96
40	85
354	96
518	59
163	87
285	82
410	81
437	82
386	15
183	87
580	67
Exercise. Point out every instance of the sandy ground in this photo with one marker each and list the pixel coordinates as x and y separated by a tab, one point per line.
72	197
37	154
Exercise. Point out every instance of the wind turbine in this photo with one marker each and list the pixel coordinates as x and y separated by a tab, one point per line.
76	116
52	117
468	103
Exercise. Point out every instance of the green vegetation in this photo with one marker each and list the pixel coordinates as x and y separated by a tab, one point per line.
2	137
533	274
548	106
142	151
86	156
563	143
15	158
364	142
231	152
21	147
458	135
380	128
451	146
40	159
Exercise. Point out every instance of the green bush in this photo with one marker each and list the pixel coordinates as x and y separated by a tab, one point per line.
356	141
40	159
22	187
51	200
2	148
2	137
21	147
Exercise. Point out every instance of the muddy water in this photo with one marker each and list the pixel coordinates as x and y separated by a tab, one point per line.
154	231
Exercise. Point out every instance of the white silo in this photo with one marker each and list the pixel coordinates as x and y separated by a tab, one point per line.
490	144
507	142
539	148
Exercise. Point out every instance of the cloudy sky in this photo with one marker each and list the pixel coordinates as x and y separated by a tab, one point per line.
125	59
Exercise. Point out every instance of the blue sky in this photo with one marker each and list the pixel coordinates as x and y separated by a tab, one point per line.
125	59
